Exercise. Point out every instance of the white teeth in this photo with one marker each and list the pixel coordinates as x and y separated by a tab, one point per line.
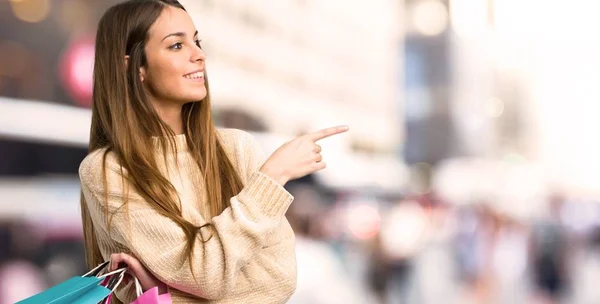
194	75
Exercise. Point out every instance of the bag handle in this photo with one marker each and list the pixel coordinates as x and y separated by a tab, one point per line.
94	272
120	271
138	287
113	283
116	280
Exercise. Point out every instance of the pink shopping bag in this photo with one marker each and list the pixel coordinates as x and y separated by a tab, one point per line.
151	295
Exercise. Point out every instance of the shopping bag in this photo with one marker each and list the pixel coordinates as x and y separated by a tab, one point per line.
151	295
80	289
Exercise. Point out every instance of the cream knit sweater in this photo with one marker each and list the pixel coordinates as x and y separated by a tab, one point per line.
250	257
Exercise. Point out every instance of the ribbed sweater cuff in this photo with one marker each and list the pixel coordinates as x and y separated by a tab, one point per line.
265	193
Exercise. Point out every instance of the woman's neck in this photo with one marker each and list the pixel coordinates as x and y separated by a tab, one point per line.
170	113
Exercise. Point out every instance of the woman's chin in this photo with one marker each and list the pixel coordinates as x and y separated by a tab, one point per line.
194	98
197	95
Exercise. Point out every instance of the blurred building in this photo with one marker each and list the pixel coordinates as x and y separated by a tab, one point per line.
302	65
430	134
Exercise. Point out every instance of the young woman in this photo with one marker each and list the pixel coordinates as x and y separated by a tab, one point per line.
188	207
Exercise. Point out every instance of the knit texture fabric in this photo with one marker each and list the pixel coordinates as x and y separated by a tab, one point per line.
249	256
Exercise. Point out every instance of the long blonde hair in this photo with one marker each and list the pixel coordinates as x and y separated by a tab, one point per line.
123	120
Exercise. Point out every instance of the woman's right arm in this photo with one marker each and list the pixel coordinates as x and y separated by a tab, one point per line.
159	242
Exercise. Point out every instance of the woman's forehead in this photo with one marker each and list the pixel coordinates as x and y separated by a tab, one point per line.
172	20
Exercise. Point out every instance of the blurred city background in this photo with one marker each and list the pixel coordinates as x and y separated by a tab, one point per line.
470	175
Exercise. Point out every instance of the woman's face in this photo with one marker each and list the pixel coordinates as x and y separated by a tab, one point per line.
174	72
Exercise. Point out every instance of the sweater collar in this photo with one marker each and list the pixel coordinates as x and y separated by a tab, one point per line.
179	140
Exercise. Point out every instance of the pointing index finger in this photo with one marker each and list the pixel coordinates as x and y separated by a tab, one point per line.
315	136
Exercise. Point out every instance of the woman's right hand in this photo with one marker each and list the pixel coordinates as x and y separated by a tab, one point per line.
298	157
135	268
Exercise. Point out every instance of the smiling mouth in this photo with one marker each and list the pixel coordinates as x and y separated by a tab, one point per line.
195	75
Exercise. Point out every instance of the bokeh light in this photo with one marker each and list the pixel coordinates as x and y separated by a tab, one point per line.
32	11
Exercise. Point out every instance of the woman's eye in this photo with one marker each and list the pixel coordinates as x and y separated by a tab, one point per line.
176	46
198	43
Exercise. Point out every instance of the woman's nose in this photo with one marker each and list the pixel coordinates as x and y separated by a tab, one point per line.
198	55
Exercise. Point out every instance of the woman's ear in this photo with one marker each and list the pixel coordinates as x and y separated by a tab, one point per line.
142	73
142	69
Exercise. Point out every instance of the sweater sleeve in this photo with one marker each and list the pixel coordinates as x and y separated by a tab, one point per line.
159	242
